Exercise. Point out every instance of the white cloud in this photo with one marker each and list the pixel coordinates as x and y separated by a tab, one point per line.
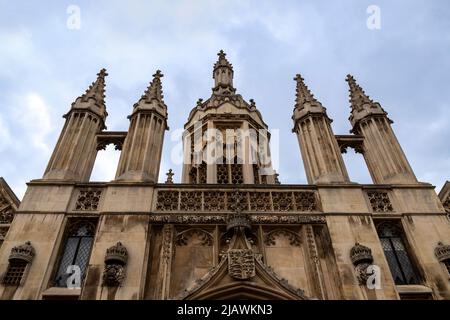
35	121
5	136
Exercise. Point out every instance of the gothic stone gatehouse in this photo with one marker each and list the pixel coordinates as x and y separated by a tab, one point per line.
229	229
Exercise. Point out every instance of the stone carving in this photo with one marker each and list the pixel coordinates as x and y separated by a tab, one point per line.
168	231
19	259
380	201
183	238
191	201
167	200
442	252
24	252
447	205
350	141
88	200
237	200
6	215
305	201
362	258
115	261
282	201
6	211
223	219
270	238
238	220
170	175
257	201
106	138
214	200
3	231
277	178
314	256
113	275
241	263
260	201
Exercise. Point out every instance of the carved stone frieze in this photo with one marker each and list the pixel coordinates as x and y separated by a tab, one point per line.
260	201
282	201
253	201
191	201
167	200
222	219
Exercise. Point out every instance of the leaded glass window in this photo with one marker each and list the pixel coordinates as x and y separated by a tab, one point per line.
391	237
76	250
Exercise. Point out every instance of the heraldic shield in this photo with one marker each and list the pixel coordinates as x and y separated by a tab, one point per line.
241	263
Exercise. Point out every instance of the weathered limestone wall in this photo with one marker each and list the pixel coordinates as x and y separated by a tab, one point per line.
132	232
44	231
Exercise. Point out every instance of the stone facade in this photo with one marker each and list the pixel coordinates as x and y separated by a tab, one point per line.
229	230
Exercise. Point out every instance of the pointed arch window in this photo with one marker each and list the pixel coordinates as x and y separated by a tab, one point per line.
76	249
198	174
397	255
256	173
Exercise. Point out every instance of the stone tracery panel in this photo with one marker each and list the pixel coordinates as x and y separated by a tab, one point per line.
191	201
260	201
193	257
194	236
379	201
88	199
167	200
251	201
214	200
282	201
272	237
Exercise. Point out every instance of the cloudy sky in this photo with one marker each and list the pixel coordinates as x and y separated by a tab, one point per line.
46	62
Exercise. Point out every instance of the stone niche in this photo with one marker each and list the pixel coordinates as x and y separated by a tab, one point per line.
193	256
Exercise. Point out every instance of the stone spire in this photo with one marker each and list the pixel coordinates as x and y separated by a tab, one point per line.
303	94
154	91
74	155
360	102
140	158
305	103
384	156
96	90
223	76
358	97
152	99
316	139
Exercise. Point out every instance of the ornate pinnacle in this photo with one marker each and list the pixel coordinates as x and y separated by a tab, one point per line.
97	89
303	94
170	175
154	90
357	95
222	61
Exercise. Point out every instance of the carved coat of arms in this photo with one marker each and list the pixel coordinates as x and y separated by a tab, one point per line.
241	263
